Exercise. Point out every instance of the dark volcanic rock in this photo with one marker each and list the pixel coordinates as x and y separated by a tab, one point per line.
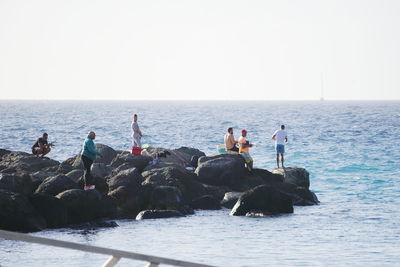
51	209
126	188
17	213
224	169
90	205
300	196
158	214
206	202
167	198
39	176
295	175
139	162
24	162
100	170
178	158
263	198
178	177
17	183
75	175
56	184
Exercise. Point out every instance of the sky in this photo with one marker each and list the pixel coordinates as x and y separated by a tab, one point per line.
200	50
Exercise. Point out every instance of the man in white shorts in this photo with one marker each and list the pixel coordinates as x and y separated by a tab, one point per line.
280	137
136	133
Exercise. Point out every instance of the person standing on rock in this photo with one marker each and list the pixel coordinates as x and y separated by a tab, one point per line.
89	154
244	146
280	137
41	146
136	133
230	142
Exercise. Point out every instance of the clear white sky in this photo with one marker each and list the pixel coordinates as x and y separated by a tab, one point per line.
264	50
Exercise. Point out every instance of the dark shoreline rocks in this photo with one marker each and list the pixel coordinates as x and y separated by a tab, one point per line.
38	193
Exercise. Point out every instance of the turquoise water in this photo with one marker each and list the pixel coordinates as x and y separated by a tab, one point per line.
351	150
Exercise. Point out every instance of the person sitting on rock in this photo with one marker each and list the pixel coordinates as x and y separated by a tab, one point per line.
41	146
89	154
244	146
230	142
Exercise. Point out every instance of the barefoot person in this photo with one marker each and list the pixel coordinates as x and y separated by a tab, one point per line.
244	146
136	133
41	146
280	137
89	154
230	142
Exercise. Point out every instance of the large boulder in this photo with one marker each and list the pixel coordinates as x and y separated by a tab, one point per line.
167	198
90	205
128	177
56	184
158	214
294	175
300	196
51	209
125	158
75	174
224	169
206	202
265	199
4	152
17	213
17	183
39	176
180	157
24	162
178	177
130	195
100	170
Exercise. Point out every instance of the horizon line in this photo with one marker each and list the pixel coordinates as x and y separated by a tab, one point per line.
199	100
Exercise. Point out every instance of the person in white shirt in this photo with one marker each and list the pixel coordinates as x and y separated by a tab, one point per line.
136	133
280	137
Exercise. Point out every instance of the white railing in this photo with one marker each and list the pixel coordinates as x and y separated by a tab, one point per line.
115	255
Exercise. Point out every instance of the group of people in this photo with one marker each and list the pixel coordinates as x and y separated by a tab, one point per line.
242	145
89	152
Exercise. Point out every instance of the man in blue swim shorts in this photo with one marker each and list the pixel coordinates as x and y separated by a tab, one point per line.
280	137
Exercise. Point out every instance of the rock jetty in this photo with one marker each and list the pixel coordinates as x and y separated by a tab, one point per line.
37	193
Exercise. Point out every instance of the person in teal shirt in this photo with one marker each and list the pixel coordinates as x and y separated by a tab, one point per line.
89	154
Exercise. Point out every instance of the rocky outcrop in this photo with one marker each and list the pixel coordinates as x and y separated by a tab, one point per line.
224	169
24	162
131	161
130	195
167	198
17	183
56	184
83	206
37	192
178	177
265	199
17	213
294	175
158	214
51	209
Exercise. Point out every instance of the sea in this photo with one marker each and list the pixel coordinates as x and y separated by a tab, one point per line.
351	150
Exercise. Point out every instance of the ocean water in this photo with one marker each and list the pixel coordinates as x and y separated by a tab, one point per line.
351	149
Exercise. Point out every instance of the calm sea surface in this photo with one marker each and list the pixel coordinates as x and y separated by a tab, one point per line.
351	149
